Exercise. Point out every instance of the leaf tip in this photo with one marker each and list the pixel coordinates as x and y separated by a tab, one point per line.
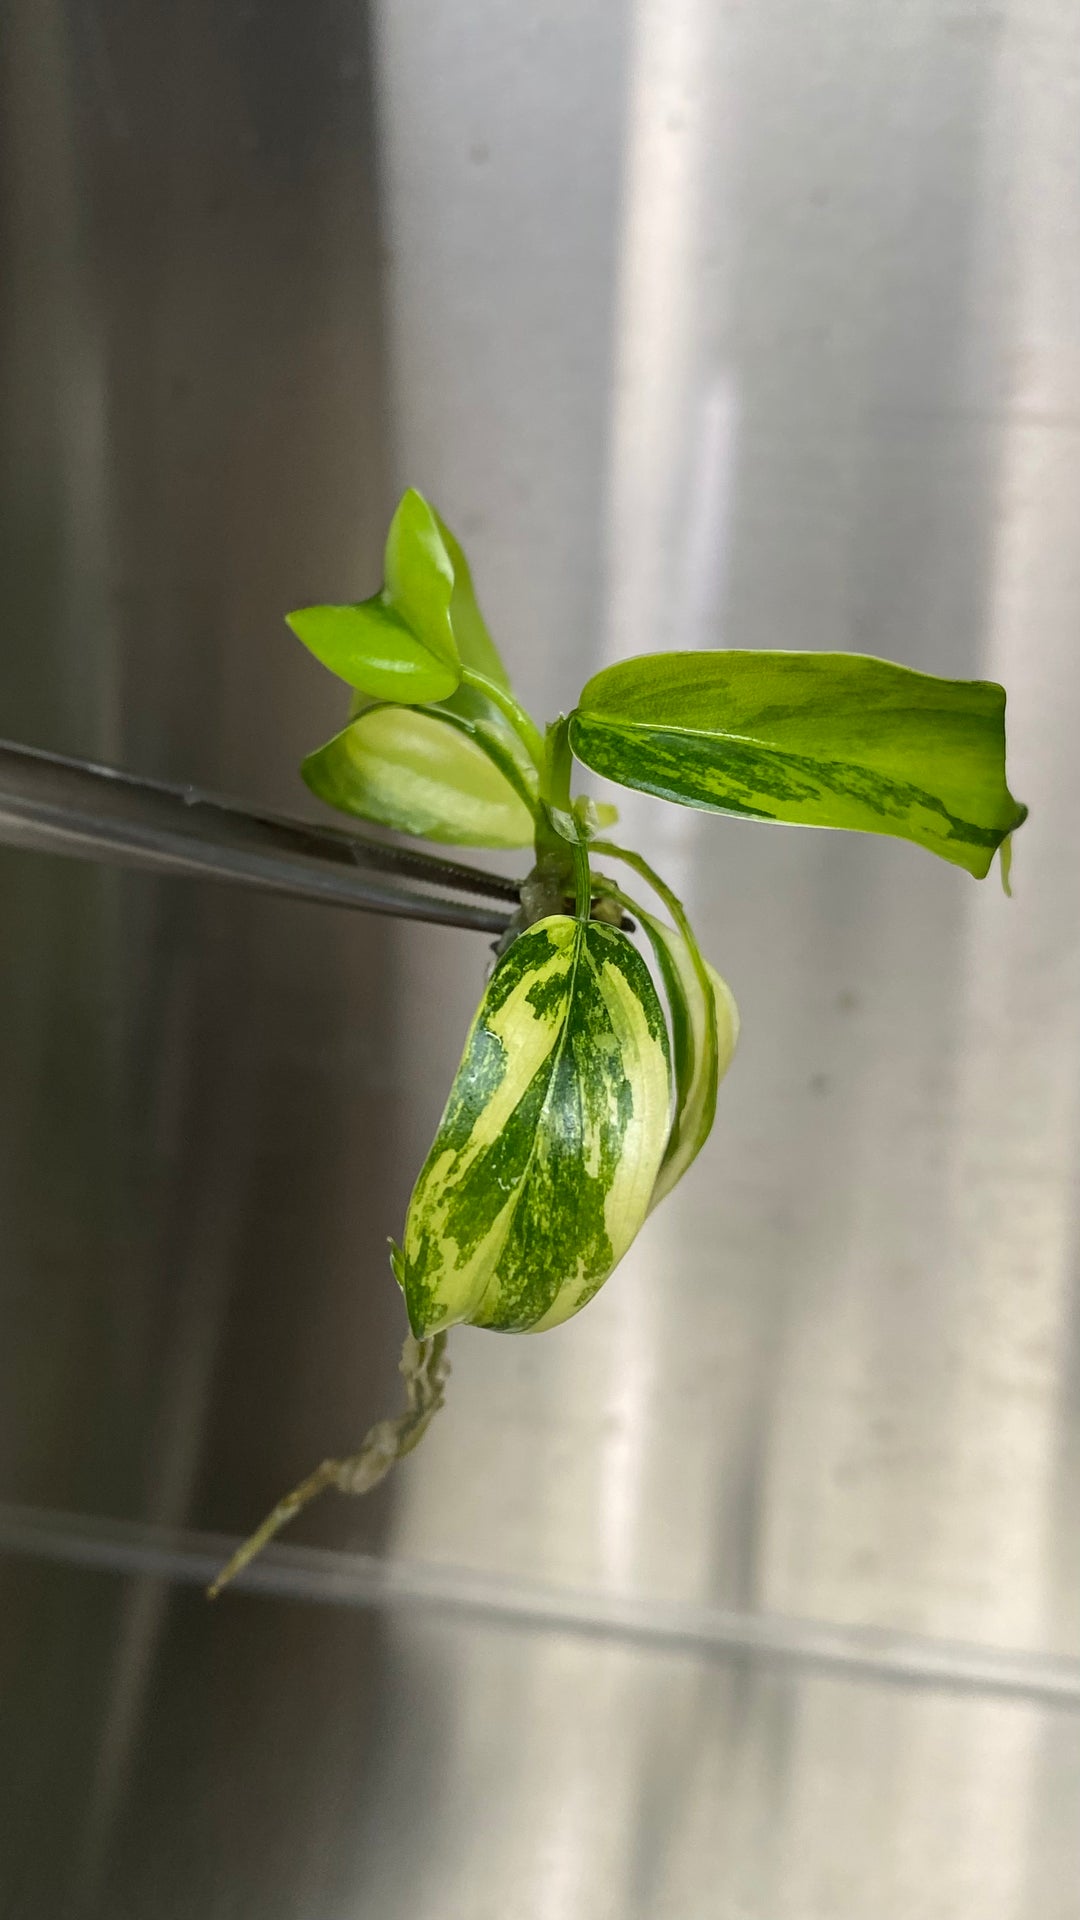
299	619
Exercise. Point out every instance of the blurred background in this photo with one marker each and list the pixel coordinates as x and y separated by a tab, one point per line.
754	1593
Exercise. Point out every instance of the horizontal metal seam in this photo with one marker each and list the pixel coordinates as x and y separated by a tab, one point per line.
362	1580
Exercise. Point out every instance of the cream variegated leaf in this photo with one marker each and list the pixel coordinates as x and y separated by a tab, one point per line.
425	772
546	1159
704	1033
813	739
704	1016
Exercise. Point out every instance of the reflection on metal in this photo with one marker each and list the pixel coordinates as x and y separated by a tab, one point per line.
339	1579
57	805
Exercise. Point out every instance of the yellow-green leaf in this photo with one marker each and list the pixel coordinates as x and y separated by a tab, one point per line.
418	772
398	645
474	642
457	772
545	1161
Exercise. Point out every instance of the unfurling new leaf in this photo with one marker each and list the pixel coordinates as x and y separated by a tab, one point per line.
424	752
400	644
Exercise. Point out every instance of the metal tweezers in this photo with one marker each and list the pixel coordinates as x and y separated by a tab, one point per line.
73	807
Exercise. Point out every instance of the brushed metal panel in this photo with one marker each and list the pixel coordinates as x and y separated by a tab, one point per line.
306	1762
192	442
837	1374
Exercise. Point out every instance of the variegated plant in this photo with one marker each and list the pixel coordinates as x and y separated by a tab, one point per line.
579	1103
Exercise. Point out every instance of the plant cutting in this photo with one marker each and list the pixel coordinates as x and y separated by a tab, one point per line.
588	1082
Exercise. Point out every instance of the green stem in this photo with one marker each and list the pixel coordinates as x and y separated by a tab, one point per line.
513	713
558	766
609	850
582	881
674	905
555	796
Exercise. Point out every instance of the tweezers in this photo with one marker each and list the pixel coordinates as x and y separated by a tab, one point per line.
56	805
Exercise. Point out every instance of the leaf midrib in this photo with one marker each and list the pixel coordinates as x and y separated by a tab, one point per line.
552	1062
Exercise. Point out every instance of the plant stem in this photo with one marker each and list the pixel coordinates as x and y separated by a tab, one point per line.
562	849
582	880
512	711
674	905
558	766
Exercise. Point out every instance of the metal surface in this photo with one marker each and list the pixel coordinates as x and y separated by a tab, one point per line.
373	1580
583	1777
50	804
702	323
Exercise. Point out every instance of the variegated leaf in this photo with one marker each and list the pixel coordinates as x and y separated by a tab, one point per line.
425	773
544	1164
814	739
704	1032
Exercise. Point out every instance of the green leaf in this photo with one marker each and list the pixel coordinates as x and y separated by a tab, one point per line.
814	739
459	773
418	575
546	1158
477	650
474	642
370	648
417	771
399	645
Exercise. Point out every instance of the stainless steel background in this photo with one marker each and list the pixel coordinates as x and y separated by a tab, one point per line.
755	1592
